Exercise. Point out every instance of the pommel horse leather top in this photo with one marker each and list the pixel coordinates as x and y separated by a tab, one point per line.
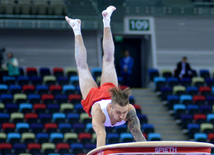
155	147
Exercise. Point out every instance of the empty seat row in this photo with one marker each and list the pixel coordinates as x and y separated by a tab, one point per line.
35	98
17	117
204	73
184	82
57	72
46	80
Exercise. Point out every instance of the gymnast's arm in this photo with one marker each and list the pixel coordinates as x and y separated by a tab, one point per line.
98	126
134	125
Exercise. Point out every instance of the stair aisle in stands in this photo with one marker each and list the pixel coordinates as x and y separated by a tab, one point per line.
158	115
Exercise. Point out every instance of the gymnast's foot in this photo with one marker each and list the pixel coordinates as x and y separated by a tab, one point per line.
107	15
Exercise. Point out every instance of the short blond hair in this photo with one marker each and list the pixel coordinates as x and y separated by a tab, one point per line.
119	96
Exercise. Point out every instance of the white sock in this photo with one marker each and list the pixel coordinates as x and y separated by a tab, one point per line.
75	26
107	18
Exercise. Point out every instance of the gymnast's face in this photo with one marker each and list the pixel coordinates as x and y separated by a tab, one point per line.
119	113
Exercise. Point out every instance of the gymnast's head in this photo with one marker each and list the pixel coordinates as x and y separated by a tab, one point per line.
120	103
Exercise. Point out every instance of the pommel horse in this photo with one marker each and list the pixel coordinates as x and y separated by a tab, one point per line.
155	148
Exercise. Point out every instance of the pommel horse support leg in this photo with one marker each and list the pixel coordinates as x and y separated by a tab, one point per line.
155	148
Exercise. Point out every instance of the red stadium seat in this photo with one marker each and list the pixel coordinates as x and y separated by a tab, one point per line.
85	137
28	89
74	98
58	72
31	71
50	127
47	98
200	118
199	99
205	90
31	117
55	89
34	147
62	148
39	108
8	127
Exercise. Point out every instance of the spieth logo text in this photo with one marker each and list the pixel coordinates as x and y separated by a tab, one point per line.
165	149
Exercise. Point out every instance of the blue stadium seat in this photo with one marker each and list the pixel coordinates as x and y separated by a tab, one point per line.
79	128
210	118
186	99
191	90
209	82
154	137
6	98
56	138
192	109
179	109
3	88
95	72
148	128
42	89
58	117
89	128
74	80
165	91
63	80
78	108
192	129
73	118
159	82
34	98
126	137
42	137
23	80
19	148
44	71
11	108
153	73
142	118
172	81
35	80
113	138
13	138
22	127
210	100
64	127
186	82
206	109
37	127
90	146
121	129
185	120
45	117
4	117
204	73
53	108
200	137
61	99
25	108
9	80
68	89
77	148
171	100
14	89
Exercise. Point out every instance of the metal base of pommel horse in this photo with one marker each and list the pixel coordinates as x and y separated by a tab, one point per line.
155	148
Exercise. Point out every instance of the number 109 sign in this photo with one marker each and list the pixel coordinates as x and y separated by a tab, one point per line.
139	25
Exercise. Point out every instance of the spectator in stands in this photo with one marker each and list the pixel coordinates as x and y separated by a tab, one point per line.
183	69
126	64
107	105
12	65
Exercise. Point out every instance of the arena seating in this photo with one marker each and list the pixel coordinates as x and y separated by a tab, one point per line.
40	113
189	100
